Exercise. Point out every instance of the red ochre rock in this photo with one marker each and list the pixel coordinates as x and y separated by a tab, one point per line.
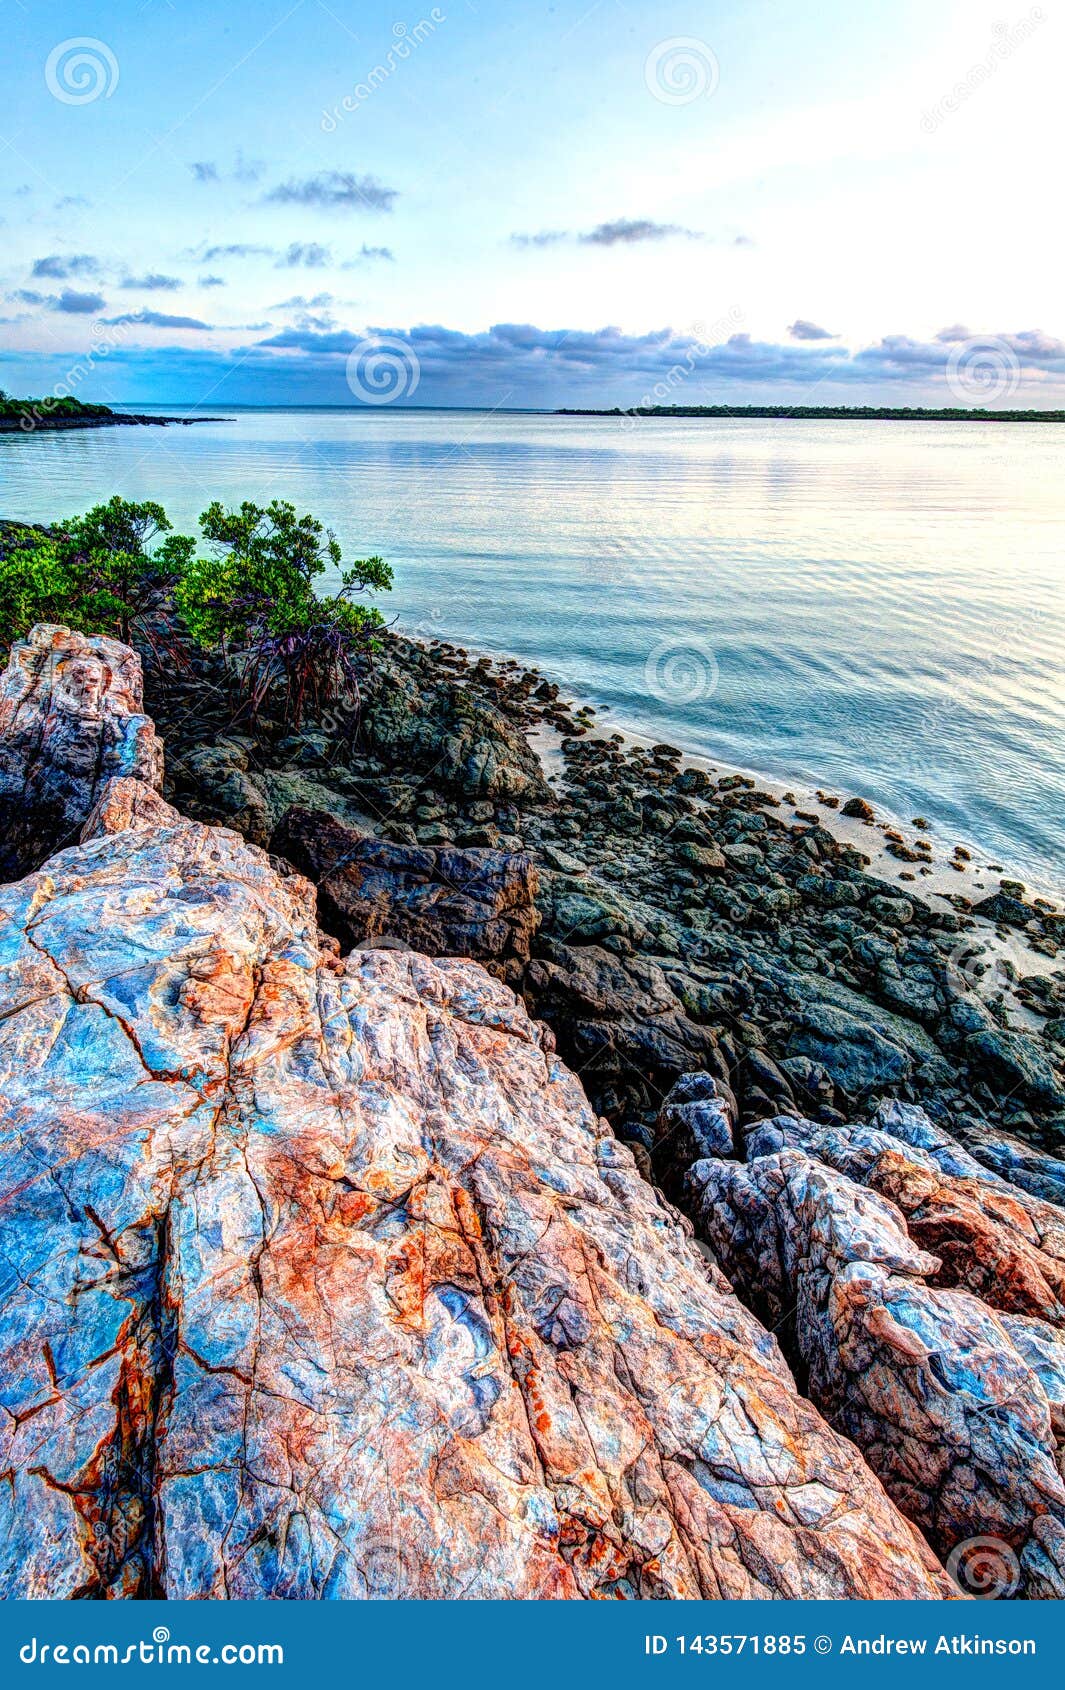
322	1279
71	719
925	1311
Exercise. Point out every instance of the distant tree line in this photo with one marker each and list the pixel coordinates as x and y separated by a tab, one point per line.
856	413
31	411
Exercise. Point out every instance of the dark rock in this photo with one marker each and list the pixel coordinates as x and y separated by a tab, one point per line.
860	1057
1013	1061
467	742
1007	910
618	1022
446	902
859	809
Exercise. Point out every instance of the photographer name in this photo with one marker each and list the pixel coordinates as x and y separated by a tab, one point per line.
959	1643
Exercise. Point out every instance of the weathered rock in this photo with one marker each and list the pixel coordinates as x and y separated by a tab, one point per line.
442	901
1013	1061
860	1056
321	1279
457	735
955	1405
70	720
1009	911
859	809
697	1119
618	1022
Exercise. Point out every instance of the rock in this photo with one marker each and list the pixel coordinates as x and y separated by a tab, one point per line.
1029	1169
743	856
860	1057
323	1280
985	1239
71	719
1006	910
563	861
444	902
859	809
1013	1061
577	910
697	1119
466	742
619	1022
707	858
950	1409
891	912
207	765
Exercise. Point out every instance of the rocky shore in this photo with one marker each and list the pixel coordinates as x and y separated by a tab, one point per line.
34	422
674	911
700	1232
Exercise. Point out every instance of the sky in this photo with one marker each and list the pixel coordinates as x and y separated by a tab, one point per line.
591	202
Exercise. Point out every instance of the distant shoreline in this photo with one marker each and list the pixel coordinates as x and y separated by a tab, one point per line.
34	425
819	413
29	416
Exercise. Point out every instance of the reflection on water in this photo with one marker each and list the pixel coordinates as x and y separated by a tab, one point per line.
876	606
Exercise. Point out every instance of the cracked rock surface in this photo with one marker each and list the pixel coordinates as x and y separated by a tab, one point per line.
921	1297
71	719
322	1279
443	901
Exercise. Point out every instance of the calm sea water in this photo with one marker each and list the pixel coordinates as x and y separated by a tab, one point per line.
877	607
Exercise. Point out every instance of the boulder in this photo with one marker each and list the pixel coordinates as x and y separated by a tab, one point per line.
860	1056
697	1119
71	719
925	1314
859	809
465	742
1013	1062
440	900
323	1280
619	1022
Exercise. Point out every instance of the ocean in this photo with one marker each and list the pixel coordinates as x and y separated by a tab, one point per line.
873	607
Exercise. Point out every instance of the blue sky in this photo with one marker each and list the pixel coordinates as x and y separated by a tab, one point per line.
532	204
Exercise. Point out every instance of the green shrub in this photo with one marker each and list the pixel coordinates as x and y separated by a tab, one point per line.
100	573
254	596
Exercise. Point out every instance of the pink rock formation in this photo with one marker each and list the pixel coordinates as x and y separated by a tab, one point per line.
957	1399
70	720
321	1279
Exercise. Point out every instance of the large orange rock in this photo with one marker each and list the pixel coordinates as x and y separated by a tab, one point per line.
322	1279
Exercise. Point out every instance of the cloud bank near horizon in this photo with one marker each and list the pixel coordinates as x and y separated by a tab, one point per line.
520	364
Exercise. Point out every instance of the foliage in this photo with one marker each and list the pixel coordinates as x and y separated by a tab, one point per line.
255	595
35	586
100	573
252	596
27	413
